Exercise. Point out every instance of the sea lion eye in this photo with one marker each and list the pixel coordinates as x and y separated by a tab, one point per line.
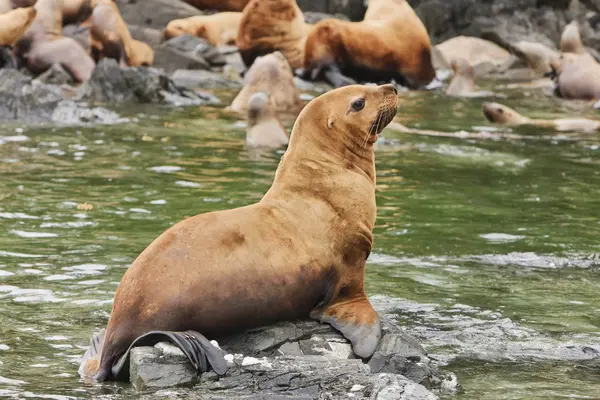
358	105
501	111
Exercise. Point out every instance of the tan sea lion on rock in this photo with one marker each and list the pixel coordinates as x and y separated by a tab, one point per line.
473	50
221	5
110	37
219	29
504	115
272	25
391	43
44	45
300	252
264	129
577	76
14	23
8	5
271	74
570	40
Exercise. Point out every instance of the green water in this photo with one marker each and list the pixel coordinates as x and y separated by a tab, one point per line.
487	247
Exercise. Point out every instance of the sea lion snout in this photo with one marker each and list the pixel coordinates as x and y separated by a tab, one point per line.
388	89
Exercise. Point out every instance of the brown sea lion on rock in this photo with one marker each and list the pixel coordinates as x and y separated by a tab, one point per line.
14	23
221	5
264	129
301	251
504	115
577	76
110	37
272	25
570	40
391	43
44	45
271	74
219	29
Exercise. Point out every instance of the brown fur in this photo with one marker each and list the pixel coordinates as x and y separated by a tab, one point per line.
221	5
300	251
270	74
391	38
504	115
219	29
14	23
578	76
44	45
110	37
272	25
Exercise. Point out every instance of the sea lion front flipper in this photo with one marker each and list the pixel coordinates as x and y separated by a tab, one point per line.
356	320
334	76
198	349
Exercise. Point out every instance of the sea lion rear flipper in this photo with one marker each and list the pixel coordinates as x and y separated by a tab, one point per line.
357	321
197	348
90	361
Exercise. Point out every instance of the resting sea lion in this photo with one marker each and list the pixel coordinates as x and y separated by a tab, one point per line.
44	45
570	41
301	251
503	115
14	23
473	50
537	56
7	5
221	5
271	74
577	76
77	11
264	129
219	29
272	25
110	37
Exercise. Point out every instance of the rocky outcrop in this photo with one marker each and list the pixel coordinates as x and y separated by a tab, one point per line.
353	9
298	360
154	14
509	21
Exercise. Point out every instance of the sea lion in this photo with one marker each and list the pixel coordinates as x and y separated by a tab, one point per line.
570	40
264	129
271	74
300	252
110	37
272	25
8	5
43	44
14	23
474	50
504	115
219	29
391	43
77	11
463	82
577	76
220	5
537	56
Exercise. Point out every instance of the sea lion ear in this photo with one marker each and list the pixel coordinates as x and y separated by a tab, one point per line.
330	123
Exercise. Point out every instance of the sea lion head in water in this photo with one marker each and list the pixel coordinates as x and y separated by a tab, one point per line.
264	129
463	82
570	40
503	115
299	252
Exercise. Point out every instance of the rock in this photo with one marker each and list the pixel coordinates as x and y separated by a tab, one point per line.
187	52
597	105
78	113
152	368
110	83
153	37
193	79
353	9
154	14
311	17
56	75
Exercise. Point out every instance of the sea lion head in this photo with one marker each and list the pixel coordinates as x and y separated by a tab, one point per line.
180	27
462	67
500	114
352	114
258	106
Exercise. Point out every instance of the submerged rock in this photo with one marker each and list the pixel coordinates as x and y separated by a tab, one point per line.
76	113
301	359
111	83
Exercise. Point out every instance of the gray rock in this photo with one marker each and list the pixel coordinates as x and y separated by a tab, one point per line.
153	37
193	79
597	105
353	9
187	52
154	14
56	75
111	83
153	367
312	17
78	113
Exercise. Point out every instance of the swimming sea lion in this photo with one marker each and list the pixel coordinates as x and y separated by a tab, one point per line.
43	44
110	37
463	82
221	5
272	25
219	29
577	76
504	115
301	251
271	74
391	43
264	129
14	23
570	40
473	50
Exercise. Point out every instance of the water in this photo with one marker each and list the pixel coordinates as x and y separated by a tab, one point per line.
486	248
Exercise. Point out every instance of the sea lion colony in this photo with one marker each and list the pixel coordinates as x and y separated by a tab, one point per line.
330	146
